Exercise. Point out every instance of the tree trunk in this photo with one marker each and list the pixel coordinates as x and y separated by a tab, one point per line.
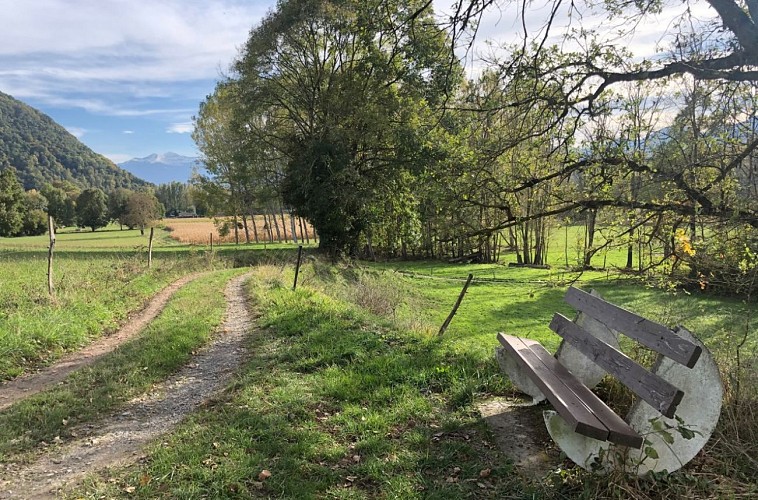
284	224
267	226
293	228
276	224
590	239
244	224
255	225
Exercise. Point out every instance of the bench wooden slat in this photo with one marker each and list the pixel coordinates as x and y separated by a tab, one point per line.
651	334
619	431
660	394
568	404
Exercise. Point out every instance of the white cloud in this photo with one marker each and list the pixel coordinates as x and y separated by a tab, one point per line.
77	132
180	128
129	132
119	49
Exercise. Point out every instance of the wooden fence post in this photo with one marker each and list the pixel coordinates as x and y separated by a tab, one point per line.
455	307
297	267
51	231
211	235
150	249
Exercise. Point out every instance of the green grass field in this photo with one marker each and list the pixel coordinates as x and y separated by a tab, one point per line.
349	392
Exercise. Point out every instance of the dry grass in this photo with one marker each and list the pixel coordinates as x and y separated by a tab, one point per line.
198	231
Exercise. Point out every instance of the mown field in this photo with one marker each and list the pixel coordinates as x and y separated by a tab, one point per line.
349	392
198	231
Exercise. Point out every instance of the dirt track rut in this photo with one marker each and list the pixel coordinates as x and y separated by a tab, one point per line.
119	439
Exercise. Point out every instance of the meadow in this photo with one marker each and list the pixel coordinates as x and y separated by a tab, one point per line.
349	392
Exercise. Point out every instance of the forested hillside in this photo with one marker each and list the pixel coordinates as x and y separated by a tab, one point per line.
43	151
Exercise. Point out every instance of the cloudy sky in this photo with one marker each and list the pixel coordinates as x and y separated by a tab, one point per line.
126	76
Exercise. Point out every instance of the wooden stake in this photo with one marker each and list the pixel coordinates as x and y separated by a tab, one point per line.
51	231
150	249
297	267
211	242
455	307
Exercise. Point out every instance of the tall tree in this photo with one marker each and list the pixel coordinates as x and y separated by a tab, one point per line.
339	89
11	202
60	205
92	209
117	204
142	209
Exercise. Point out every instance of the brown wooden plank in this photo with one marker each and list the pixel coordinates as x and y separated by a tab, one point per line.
566	403
619	431
651	334
660	394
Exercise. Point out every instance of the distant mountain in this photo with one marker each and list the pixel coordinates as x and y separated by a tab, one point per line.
163	168
43	151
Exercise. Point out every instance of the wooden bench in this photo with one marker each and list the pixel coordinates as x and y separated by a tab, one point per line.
585	427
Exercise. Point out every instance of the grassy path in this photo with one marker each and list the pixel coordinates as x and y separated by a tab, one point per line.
117	439
77	405
28	385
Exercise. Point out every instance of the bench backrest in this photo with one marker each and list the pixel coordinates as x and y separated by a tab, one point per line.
656	391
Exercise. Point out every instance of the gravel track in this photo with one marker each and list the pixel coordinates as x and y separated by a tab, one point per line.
119	439
27	385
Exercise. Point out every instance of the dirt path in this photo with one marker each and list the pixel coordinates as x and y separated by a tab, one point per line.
27	385
118	439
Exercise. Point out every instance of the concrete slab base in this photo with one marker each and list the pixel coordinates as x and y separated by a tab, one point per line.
520	435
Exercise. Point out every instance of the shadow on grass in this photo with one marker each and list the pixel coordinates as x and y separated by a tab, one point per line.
336	403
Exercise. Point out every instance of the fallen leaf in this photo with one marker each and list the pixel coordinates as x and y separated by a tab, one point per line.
265	474
485	472
130	489
356	458
456	470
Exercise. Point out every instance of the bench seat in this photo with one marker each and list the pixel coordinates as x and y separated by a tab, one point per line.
574	401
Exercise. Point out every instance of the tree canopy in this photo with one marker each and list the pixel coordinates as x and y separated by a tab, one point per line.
357	116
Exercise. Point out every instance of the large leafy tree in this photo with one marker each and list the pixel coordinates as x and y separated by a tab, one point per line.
11	203
341	91
60	205
92	209
142	209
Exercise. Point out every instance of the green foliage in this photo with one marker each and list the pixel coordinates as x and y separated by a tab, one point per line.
42	151
60	204
92	209
117	201
350	92
142	209
176	197
11	203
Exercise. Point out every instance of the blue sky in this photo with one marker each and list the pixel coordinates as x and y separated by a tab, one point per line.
126	76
